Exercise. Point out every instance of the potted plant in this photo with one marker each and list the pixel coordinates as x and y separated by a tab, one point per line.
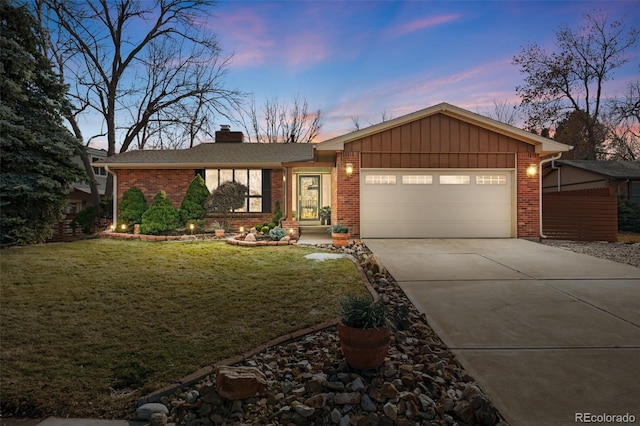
339	235
325	215
364	332
217	229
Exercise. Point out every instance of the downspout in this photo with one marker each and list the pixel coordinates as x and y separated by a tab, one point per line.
115	197
285	192
543	162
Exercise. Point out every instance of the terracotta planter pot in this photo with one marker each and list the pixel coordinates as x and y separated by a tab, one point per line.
364	348
340	240
219	233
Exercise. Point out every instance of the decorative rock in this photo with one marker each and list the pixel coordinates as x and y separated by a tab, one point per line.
390	410
250	237
367	404
145	411
357	385
158	419
240	382
317	401
389	390
304	410
347	398
335	416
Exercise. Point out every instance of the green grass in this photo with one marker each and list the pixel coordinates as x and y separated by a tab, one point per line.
88	327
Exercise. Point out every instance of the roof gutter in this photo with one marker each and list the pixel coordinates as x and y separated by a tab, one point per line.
543	162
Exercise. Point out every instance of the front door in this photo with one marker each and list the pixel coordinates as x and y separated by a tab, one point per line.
309	197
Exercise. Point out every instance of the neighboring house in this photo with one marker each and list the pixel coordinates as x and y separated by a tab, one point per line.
80	196
442	172
621	177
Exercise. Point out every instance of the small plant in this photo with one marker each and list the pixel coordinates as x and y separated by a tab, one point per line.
216	225
325	215
277	233
271	225
363	312
339	229
265	229
277	214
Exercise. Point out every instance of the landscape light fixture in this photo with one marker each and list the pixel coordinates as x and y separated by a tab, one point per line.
349	169
532	170
191	226
123	226
242	229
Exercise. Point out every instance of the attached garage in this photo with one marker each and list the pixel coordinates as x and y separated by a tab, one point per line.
436	203
442	172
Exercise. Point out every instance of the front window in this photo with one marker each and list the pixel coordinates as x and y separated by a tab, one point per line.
258	181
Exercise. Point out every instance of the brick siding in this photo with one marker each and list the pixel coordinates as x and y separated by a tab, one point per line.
346	210
528	196
173	181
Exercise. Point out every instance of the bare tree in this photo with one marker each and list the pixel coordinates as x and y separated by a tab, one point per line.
140	65
503	111
623	123
572	77
281	122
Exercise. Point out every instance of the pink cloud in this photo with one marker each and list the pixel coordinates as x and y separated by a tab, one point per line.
420	24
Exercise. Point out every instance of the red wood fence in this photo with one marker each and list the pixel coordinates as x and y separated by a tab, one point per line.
583	215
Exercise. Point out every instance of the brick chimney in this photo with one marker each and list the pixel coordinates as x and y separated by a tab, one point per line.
225	135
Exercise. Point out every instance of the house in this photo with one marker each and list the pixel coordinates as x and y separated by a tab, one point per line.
621	177
441	172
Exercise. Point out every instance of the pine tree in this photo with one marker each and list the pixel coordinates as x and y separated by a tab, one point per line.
161	217
36	168
192	207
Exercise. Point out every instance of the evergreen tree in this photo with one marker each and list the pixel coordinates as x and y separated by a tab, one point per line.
161	217
36	168
192	207
132	207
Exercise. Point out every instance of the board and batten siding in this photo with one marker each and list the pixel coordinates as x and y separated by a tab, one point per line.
438	141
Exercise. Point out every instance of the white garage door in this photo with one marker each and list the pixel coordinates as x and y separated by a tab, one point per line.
436	203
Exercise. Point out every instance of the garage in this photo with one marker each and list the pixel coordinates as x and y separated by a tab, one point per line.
437	203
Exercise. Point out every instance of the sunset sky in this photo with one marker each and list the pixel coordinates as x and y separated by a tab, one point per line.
363	58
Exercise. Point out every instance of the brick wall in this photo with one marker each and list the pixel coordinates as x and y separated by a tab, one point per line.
173	181
346	205
528	196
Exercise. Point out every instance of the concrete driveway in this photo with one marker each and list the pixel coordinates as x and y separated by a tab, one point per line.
548	334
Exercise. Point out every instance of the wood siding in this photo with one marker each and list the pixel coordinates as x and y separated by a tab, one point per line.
438	141
585	215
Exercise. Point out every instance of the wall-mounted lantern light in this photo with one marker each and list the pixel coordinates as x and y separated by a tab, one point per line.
349	169
532	170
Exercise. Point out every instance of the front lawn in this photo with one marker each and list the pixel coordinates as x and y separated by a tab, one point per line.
88	327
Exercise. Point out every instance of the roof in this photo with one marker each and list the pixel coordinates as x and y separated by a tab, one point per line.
544	146
213	155
613	169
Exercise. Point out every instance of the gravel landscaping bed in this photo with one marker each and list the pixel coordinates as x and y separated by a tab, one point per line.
628	253
309	383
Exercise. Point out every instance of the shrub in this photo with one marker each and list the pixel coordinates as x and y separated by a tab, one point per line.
90	218
226	198
192	207
277	233
132	207
162	217
628	216
271	225
264	229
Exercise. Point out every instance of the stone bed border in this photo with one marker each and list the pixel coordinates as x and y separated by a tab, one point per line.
285	338
194	237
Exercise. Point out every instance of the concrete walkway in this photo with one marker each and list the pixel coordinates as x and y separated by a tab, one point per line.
548	334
